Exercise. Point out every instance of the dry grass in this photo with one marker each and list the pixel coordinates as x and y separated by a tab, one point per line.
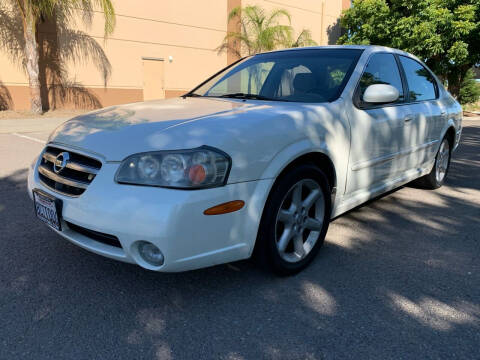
474	107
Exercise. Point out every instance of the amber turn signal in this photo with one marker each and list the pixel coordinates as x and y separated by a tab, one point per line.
225	208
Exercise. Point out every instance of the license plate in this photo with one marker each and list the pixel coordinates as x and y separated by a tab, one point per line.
47	209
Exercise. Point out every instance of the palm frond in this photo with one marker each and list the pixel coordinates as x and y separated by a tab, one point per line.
276	15
261	31
304	39
254	14
234	13
68	9
108	15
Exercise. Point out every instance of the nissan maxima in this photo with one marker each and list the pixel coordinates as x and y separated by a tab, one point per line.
253	162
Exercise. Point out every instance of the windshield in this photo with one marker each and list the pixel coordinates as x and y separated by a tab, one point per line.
307	75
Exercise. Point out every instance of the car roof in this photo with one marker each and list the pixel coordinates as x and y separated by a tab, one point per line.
371	48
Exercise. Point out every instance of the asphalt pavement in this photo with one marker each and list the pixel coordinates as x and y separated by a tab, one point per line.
398	278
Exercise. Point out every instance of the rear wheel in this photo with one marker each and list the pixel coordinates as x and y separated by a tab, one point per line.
295	220
437	176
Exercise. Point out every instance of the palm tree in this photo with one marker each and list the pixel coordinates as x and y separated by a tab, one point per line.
32	11
303	39
261	31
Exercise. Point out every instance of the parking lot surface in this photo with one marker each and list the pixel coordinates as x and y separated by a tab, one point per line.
397	278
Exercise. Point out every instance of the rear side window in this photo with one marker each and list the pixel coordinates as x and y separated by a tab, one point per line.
382	69
421	84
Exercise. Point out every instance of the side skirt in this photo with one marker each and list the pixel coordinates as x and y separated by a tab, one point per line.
361	196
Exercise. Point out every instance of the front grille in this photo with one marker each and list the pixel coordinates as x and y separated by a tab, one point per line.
74	178
106	239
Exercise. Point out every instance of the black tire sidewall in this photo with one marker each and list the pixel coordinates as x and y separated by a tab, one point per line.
433	174
266	242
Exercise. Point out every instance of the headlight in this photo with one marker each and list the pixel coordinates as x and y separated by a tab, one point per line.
186	169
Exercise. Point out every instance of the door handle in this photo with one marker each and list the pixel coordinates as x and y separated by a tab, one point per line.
408	118
443	113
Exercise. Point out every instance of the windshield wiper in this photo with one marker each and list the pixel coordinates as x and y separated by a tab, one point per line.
238	95
190	95
241	95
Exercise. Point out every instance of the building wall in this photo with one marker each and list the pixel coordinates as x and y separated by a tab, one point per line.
320	16
182	34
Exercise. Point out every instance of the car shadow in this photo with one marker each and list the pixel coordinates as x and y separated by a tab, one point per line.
398	277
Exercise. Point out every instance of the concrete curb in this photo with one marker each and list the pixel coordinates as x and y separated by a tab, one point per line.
471	118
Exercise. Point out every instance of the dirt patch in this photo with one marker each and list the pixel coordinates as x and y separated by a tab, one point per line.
472	115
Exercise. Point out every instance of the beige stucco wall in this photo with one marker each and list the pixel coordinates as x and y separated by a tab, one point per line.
185	33
315	15
182	29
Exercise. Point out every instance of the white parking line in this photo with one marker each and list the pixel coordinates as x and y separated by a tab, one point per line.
29	138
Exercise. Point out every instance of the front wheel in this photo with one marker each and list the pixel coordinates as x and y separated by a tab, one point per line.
437	176
295	220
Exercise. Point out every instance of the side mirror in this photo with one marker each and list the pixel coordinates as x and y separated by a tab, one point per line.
380	94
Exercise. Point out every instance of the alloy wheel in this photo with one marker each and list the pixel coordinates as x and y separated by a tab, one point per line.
299	220
442	161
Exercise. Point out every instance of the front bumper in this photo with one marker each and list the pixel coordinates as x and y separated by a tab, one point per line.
458	135
171	219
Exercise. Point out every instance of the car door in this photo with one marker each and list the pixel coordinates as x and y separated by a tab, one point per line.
376	130
426	115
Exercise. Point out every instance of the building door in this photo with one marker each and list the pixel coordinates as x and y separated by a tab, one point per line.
153	79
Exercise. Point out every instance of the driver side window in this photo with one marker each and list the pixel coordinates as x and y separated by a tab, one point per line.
382	69
286	82
248	80
311	82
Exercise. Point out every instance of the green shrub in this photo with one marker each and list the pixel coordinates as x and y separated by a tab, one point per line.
469	90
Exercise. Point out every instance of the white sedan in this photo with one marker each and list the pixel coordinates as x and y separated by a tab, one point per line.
255	161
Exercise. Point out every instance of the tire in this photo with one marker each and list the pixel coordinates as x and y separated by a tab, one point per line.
437	176
294	222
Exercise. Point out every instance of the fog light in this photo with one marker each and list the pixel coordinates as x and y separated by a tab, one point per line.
150	253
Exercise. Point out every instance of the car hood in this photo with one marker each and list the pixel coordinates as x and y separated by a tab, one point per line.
251	132
119	131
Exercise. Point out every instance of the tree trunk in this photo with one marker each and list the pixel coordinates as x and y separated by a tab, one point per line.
455	79
454	86
31	54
